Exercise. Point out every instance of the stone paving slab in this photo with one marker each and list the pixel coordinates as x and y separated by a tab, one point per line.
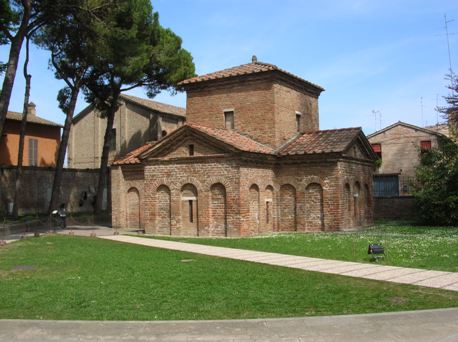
445	280
419	276
402	275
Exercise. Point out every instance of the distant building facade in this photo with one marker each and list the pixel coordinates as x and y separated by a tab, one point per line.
249	160
42	138
400	146
136	122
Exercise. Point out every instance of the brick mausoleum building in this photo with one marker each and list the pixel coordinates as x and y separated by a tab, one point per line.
250	160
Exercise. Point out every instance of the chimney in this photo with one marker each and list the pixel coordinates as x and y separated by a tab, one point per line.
31	109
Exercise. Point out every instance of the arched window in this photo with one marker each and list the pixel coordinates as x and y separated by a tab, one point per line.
189	210
314	209
133	208
254	209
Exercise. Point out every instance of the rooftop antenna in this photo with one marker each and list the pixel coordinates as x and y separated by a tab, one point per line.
375	112
447	34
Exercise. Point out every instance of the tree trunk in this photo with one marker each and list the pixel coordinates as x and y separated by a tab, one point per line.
25	111
57	183
105	154
13	58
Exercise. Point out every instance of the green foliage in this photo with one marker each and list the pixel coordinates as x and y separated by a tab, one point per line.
65	277
9	19
133	50
437	191
450	111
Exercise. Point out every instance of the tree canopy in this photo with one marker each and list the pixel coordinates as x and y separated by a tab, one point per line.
436	194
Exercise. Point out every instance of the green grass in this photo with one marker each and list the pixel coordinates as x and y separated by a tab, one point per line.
408	246
65	277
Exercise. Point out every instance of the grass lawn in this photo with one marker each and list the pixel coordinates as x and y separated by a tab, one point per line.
409	246
67	277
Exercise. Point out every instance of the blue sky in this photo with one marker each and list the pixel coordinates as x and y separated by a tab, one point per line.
386	56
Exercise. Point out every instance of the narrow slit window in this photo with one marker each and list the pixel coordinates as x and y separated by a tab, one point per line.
191	213
298	121
191	149
229	119
267	212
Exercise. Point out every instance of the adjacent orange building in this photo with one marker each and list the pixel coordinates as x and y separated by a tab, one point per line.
41	142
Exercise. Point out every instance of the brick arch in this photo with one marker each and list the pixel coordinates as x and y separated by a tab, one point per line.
154	185
288	221
254	205
314	207
215	180
218	210
313	180
269	209
133	208
189	209
195	182
163	210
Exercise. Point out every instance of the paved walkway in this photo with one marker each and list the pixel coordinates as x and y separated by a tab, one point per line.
402	275
429	325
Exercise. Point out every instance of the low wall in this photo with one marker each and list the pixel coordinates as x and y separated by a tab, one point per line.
397	208
77	191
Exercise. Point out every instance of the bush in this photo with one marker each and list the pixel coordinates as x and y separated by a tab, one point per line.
436	194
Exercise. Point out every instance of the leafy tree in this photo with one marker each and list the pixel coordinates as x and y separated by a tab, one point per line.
15	22
71	39
436	194
133	51
450	111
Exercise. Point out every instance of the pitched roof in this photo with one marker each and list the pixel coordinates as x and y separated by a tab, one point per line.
245	69
318	142
132	156
235	139
31	118
154	105
327	141
232	137
400	123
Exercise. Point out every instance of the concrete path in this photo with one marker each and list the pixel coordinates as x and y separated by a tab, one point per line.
401	275
429	325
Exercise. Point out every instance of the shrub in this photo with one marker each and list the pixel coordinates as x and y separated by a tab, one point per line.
436	194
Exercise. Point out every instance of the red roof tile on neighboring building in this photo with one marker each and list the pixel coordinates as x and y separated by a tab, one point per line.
244	69
327	141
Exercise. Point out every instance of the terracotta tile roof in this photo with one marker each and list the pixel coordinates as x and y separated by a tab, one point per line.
244	69
327	141
235	139
31	118
154	105
132	156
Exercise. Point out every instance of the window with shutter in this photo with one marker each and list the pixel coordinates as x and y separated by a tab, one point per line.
33	152
425	145
377	149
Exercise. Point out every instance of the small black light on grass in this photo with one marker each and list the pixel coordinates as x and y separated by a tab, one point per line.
376	251
36	234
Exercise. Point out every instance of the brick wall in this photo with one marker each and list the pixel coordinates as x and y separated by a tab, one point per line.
394	208
36	185
264	108
233	196
401	149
